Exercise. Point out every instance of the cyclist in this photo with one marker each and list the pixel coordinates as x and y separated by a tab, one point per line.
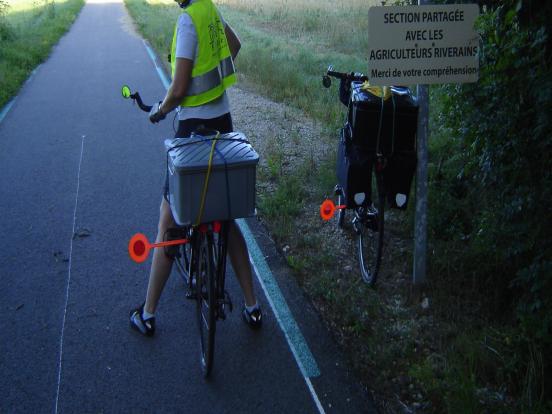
202	41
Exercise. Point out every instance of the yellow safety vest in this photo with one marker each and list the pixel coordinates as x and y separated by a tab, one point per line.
213	69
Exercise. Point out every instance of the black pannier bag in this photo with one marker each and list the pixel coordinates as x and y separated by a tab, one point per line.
397	178
394	121
398	115
354	171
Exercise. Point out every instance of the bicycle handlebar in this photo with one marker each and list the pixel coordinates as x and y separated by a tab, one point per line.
138	99
349	77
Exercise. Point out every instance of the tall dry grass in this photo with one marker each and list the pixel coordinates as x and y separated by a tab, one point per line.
341	25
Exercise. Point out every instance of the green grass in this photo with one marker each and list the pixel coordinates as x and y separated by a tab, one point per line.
319	24
477	374
282	206
28	30
289	68
155	20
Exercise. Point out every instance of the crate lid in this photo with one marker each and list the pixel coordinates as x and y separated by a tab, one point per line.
190	154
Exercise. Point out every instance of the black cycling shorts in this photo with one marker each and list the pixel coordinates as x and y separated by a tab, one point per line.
222	124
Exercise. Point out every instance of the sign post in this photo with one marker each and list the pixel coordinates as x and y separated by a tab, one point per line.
420	222
420	218
423	44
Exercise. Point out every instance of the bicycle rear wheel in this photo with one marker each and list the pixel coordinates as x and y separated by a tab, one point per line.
206	300
368	224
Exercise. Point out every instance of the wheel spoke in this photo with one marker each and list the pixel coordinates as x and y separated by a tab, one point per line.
205	322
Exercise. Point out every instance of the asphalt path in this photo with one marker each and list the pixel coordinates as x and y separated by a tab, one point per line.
81	171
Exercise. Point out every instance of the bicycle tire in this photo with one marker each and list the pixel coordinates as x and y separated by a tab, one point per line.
341	211
206	300
370	231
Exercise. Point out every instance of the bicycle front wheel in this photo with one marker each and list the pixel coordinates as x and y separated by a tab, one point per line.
184	263
369	228
206	300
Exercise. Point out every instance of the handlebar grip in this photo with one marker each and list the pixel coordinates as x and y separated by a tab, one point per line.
337	75
345	76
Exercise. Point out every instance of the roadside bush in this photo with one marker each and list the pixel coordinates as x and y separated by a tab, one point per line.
492	183
27	35
5	29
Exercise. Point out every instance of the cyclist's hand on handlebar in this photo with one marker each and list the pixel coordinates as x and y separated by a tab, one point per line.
156	114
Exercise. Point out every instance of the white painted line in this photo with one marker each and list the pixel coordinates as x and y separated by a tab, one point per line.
68	278
296	342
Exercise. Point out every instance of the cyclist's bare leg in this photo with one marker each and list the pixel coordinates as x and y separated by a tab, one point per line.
161	264
237	249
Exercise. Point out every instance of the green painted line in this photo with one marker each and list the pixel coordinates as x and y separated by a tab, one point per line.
293	334
159	70
4	111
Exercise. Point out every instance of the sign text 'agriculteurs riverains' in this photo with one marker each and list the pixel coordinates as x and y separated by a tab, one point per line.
423	44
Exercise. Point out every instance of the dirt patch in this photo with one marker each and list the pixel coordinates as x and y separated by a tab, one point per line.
128	25
274	126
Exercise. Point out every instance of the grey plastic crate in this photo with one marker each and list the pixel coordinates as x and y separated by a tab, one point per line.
231	190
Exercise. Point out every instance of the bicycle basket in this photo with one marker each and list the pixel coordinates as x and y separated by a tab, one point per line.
231	186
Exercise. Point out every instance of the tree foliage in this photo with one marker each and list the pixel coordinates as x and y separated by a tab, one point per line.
492	191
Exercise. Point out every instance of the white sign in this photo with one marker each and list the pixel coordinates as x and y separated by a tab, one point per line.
423	44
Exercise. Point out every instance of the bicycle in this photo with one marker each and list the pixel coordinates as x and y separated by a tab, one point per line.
377	159
200	258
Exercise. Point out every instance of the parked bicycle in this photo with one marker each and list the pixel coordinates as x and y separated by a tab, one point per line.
200	240
375	162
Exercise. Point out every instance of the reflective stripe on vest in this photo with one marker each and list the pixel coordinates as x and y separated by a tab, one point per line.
213	69
211	79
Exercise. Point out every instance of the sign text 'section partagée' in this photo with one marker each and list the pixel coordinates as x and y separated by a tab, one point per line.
423	44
